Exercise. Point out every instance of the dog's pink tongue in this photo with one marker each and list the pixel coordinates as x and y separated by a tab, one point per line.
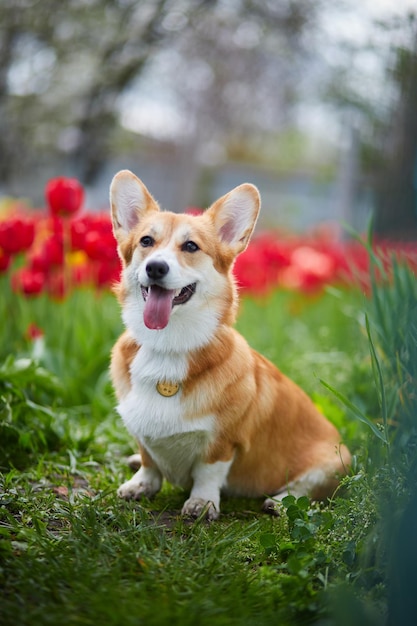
158	307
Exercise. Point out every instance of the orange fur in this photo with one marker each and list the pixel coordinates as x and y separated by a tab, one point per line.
123	353
263	418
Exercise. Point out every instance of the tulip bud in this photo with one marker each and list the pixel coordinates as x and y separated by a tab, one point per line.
64	195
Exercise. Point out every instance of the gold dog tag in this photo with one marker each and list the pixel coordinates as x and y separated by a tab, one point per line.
167	389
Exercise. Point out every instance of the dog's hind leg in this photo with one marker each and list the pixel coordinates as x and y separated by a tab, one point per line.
318	483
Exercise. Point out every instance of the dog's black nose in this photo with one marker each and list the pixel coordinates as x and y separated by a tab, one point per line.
157	269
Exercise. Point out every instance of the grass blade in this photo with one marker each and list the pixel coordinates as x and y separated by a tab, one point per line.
378	377
356	412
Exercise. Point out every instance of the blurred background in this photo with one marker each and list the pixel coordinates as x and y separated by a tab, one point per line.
314	102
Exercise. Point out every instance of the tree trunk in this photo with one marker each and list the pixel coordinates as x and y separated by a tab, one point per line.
396	189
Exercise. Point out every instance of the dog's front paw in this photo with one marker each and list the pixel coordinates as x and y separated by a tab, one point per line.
131	490
144	484
195	507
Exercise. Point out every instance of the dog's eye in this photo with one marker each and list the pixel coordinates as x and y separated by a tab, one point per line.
146	241
189	246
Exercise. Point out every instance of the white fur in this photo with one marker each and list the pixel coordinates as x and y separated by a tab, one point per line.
146	482
151	366
128	197
209	479
306	483
176	456
174	442
191	325
303	485
146	413
178	276
237	211
205	494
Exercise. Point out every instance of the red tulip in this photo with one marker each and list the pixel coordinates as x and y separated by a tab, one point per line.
57	287
38	262
51	253
102	223
55	226
28	281
53	250
309	270
108	274
100	246
16	234
251	272
64	195
78	231
33	332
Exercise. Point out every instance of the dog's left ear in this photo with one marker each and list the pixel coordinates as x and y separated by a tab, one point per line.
130	200
234	216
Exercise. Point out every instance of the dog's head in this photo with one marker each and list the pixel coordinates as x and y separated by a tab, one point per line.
176	267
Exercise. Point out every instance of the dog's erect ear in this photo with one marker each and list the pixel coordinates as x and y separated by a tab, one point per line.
129	200
234	216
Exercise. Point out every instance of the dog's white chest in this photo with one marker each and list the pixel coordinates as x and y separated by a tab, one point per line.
158	421
147	414
175	456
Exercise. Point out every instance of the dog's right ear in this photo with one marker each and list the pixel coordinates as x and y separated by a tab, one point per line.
129	200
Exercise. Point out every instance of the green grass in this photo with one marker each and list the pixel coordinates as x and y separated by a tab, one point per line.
71	552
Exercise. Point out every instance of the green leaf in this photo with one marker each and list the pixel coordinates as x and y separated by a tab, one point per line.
267	540
294	512
304	503
356	412
288	501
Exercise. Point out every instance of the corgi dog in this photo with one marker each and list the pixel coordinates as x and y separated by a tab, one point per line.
209	413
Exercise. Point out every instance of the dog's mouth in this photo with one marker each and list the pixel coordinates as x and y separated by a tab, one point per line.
159	303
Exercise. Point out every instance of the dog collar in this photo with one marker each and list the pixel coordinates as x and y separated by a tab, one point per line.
167	389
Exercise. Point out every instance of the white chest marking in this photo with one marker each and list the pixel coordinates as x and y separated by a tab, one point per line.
152	366
145	412
176	456
174	441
